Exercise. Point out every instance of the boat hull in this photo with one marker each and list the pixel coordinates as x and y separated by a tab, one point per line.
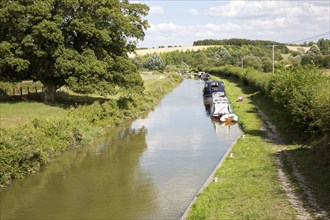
228	118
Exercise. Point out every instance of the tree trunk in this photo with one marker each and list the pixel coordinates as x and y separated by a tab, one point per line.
49	93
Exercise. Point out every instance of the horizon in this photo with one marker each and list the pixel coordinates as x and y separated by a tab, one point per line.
181	22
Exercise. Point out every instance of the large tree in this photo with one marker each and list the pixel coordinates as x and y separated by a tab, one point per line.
79	43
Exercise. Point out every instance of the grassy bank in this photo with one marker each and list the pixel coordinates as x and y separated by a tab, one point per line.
33	140
249	187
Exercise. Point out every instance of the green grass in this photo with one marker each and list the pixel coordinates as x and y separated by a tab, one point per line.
18	112
316	173
249	187
13	114
33	133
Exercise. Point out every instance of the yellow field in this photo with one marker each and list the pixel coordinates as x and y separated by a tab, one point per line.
296	48
169	49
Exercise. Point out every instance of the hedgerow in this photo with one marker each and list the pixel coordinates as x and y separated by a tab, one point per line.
302	92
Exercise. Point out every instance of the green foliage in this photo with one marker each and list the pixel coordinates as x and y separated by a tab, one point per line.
314	51
256	56
322	61
303	92
240	42
248	186
252	61
25	148
154	62
10	87
324	46
75	43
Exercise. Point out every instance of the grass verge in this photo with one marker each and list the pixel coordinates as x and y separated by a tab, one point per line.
249	187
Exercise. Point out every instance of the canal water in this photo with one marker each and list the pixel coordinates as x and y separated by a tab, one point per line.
151	169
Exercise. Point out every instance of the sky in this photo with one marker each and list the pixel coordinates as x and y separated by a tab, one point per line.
181	22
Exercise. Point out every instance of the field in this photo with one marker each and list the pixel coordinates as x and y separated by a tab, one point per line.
297	48
142	52
16	113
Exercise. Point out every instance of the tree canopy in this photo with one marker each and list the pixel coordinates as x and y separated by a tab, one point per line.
79	43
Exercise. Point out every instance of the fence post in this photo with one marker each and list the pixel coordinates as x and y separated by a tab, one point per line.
21	91
28	90
36	89
13	91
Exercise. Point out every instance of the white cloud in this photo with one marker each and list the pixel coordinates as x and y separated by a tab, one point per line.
193	12
270	9
156	11
283	21
165	27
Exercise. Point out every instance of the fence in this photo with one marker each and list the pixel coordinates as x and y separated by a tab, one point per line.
23	90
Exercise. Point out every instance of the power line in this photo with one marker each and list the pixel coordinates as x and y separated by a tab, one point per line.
313	37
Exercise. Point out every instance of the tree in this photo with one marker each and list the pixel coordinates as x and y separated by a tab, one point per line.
79	43
154	62
324	45
252	61
314	51
267	64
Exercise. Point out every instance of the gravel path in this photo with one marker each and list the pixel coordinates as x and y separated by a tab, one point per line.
314	210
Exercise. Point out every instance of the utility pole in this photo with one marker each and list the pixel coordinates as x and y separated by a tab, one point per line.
274	57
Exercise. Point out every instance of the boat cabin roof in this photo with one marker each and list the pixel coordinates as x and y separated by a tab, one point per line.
215	84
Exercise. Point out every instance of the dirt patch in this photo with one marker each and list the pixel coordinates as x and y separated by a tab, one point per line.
314	210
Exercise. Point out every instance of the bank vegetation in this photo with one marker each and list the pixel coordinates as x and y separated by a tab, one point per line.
27	146
296	101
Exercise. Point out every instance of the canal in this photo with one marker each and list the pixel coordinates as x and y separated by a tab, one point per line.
151	169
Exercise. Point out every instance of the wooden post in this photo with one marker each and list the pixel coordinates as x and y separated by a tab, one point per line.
21	91
28	90
13	91
36	89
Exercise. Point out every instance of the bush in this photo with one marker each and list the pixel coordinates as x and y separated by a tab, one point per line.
304	93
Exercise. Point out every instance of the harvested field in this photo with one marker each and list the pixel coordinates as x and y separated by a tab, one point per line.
169	49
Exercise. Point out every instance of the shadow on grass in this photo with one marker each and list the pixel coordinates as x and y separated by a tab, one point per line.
62	99
311	175
289	132
310	162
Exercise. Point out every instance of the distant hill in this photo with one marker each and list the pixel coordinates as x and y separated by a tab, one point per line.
169	49
199	45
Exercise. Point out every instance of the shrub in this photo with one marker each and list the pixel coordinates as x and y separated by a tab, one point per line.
303	92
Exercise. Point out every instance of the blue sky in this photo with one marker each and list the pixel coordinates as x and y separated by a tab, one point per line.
181	22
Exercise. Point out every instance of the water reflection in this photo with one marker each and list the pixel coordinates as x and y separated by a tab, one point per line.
103	181
207	105
150	170
219	127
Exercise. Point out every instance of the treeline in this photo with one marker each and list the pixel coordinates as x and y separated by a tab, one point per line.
303	93
238	52
240	42
318	54
258	57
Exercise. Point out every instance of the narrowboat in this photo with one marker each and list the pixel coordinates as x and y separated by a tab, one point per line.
220	108
211	87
